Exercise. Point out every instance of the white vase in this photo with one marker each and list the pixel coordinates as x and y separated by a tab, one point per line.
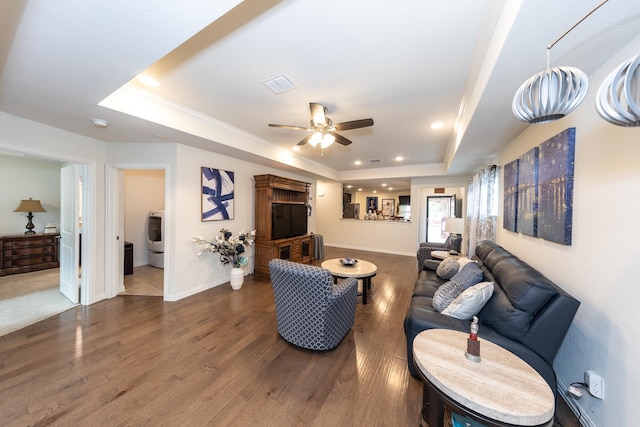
236	278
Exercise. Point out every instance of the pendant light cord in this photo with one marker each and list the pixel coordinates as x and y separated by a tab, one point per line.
570	29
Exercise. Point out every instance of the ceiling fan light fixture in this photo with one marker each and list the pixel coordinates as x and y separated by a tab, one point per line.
327	140
618	99
315	139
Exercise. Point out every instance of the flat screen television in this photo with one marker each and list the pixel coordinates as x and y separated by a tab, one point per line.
288	220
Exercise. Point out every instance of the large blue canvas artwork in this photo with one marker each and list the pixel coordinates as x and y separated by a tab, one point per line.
555	191
217	194
527	215
510	218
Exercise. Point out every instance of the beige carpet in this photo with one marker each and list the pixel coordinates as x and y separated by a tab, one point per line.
30	297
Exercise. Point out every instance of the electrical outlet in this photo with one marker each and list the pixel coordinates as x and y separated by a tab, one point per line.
595	384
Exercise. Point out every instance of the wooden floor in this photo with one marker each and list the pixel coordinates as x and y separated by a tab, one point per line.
212	359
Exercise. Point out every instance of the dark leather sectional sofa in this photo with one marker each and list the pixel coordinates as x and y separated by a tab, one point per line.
527	313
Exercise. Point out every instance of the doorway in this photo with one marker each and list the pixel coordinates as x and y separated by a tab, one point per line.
34	296
438	208
135	191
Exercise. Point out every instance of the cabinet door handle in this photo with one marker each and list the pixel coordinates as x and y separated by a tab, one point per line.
45	249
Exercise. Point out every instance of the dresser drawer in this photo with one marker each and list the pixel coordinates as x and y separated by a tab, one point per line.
29	261
26	251
29	242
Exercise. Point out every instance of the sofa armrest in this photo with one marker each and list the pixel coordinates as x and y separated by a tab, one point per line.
424	251
420	317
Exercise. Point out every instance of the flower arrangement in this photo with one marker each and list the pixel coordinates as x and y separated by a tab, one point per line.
231	248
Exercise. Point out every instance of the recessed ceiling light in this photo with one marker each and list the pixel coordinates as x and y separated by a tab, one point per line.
384	185
296	148
375	191
359	189
437	125
348	186
148	80
399	159
390	188
357	163
100	123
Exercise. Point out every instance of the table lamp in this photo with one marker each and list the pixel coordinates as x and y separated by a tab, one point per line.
30	206
454	226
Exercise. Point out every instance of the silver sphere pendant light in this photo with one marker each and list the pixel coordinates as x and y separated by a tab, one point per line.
550	95
554	92
618	99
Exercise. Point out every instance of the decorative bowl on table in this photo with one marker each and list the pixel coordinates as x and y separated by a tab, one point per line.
348	261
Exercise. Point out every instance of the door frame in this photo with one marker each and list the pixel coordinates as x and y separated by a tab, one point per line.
87	174
114	225
452	210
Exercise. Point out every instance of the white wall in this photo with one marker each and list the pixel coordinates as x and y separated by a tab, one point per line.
599	267
24	179
393	237
186	273
143	191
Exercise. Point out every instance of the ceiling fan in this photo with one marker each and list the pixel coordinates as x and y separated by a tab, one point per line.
322	128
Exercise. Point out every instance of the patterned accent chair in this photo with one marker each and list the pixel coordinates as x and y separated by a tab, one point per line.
311	311
425	249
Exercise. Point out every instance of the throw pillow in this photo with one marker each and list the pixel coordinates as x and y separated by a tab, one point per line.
470	301
462	261
447	268
445	294
468	275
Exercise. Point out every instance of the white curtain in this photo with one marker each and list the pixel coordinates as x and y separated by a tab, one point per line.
482	207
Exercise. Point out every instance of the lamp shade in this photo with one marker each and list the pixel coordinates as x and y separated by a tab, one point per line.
550	95
454	225
30	206
618	99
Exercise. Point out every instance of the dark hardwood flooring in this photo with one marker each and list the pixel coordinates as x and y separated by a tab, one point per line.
212	359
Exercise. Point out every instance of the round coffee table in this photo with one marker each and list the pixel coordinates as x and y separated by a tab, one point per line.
444	255
364	270
500	390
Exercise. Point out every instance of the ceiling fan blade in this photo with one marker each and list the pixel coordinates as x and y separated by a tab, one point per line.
305	139
354	124
317	114
288	127
340	139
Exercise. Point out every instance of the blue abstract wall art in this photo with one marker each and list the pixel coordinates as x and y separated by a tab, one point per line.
510	217
538	190
527	215
555	190
217	194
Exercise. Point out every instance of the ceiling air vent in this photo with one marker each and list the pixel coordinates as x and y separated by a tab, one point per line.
375	161
279	83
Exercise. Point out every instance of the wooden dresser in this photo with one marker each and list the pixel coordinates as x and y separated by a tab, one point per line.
22	253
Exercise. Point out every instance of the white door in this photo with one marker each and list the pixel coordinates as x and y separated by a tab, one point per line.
69	237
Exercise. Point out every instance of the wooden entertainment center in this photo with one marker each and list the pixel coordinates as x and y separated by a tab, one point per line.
272	189
23	253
